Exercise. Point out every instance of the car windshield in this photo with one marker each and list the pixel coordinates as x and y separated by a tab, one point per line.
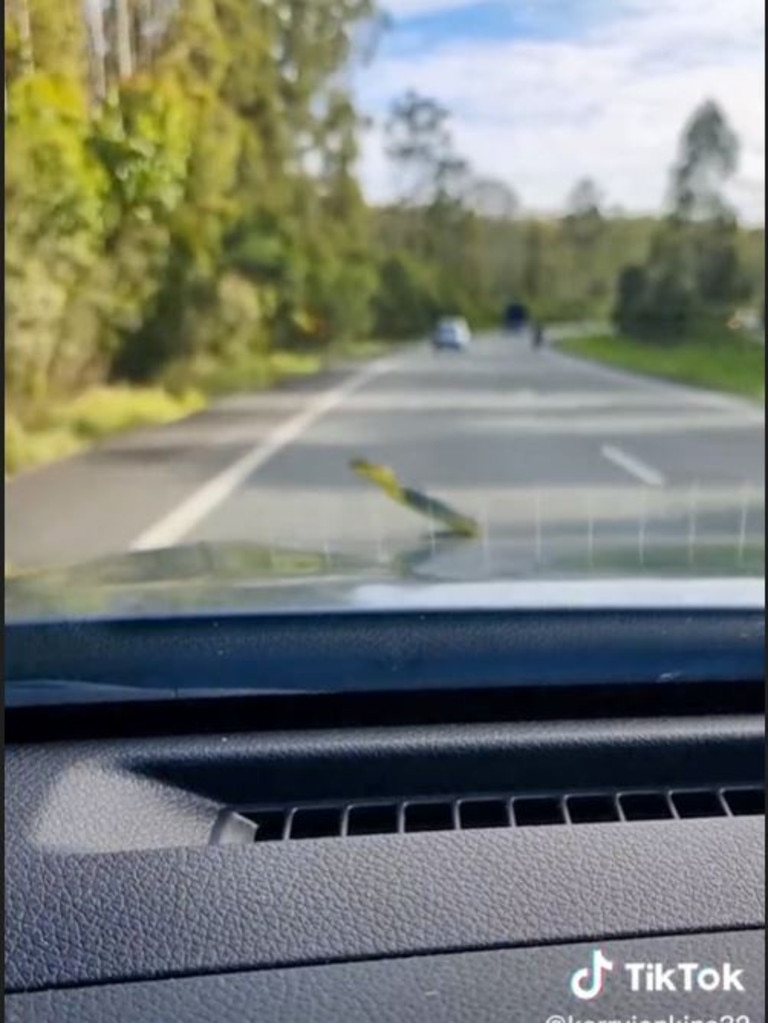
248	243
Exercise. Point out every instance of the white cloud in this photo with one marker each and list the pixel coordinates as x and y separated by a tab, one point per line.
608	102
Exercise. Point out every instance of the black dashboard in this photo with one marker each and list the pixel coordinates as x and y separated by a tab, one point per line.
391	853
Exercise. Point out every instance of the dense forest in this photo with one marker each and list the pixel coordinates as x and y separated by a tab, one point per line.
182	195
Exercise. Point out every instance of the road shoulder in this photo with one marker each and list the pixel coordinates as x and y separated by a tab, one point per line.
101	500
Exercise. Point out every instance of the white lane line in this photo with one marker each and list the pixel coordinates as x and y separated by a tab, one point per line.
185	516
633	466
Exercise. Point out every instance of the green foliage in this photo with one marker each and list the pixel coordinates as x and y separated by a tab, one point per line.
165	213
710	356
143	139
63	429
102	411
694	269
56	195
407	301
709	154
58	37
239	373
183	210
631	298
27	448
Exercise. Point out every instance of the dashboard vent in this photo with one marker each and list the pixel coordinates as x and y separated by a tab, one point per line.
347	820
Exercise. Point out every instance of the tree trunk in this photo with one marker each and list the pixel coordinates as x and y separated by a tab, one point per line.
123	41
97	47
143	35
24	23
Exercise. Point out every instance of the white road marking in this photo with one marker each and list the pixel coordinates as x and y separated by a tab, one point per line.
633	466
692	523
744	522
591	529
538	527
184	517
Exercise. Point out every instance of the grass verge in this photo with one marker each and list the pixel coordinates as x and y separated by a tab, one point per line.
359	351
68	427
214	378
52	433
722	362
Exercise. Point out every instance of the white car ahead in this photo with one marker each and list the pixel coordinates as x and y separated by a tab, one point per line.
452	332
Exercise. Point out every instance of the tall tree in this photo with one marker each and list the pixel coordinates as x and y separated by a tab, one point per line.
583	231
693	270
123	39
493	199
709	156
533	266
433	179
494	254
59	38
97	47
22	24
583	214
419	144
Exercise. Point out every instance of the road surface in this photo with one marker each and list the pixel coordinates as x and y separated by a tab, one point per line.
545	450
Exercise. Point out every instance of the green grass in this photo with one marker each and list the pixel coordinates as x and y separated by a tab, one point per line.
215	379
63	429
26	448
720	361
260	372
355	351
49	433
102	411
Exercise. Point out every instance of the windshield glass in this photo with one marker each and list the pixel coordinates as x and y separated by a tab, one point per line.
313	302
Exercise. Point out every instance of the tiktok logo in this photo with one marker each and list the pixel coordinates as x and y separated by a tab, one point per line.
587	983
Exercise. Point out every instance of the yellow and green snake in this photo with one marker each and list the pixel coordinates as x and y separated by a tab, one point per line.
384	477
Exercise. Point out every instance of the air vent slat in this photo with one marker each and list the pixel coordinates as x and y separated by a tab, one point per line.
745	802
270	824
538	811
702	803
485	811
372	820
429	817
316	822
645	806
592	809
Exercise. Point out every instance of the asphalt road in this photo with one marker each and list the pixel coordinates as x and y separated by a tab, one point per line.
549	453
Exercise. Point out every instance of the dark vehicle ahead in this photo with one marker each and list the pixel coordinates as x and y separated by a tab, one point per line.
516	316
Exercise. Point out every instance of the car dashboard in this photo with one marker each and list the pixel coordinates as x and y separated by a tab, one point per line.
503	846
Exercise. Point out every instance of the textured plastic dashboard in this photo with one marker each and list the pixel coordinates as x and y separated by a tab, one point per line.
110	874
503	986
122	902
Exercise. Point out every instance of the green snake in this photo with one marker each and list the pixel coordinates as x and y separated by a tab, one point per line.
385	478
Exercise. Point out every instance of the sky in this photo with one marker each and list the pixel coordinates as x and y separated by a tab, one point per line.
544	92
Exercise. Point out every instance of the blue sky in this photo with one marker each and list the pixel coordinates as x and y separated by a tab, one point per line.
430	25
546	91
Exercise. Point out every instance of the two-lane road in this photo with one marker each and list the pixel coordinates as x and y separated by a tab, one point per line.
545	450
